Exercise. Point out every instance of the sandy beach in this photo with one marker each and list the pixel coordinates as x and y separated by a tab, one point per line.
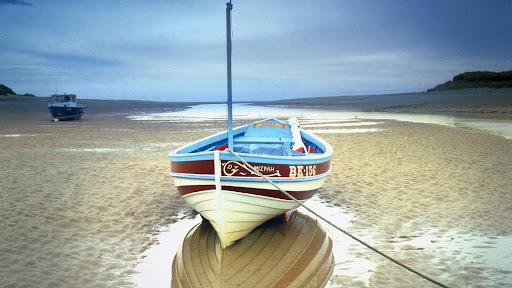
81	201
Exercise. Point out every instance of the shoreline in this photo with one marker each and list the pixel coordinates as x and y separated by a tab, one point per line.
481	102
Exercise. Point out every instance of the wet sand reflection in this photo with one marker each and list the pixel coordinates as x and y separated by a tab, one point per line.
297	253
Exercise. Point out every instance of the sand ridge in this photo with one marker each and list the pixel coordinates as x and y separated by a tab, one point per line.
80	202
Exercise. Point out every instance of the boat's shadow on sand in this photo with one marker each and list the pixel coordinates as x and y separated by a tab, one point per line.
297	253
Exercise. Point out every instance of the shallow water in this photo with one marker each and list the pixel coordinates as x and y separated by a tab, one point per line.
352	260
155	270
315	121
214	112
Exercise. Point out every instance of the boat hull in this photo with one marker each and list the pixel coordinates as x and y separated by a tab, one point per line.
66	113
237	201
235	210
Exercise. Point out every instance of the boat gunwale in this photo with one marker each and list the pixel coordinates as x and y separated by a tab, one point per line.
310	159
185	153
61	104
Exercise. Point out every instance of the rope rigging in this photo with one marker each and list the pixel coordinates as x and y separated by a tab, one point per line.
336	226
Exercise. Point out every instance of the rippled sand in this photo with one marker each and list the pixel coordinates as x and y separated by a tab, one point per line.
81	201
427	194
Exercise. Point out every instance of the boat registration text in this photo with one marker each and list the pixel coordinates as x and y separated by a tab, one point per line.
302	171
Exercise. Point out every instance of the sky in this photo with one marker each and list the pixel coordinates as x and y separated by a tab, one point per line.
175	50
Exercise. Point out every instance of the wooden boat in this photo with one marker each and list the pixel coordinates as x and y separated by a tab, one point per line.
64	107
276	254
227	192
230	195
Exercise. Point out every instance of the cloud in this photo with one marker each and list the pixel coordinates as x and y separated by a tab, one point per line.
281	49
71	59
15	2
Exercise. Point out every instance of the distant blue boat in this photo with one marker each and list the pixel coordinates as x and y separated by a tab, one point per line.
64	107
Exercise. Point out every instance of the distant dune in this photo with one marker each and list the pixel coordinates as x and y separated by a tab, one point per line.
477	79
6	91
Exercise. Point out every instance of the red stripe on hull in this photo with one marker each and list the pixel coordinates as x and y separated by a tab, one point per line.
299	195
193	167
235	168
184	190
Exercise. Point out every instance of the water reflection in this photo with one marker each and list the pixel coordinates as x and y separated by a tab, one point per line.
217	112
297	253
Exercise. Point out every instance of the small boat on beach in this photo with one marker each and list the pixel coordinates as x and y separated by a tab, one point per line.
64	107
276	254
219	176
232	196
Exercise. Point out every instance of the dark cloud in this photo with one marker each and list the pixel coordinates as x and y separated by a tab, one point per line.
15	2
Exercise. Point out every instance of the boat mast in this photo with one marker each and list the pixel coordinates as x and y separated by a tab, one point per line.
229	7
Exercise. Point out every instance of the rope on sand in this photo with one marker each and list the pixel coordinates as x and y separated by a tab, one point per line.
336	226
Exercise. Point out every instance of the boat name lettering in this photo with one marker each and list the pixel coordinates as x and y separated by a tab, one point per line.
234	168
264	168
302	171
269	124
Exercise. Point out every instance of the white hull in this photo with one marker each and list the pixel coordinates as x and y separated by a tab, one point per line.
233	214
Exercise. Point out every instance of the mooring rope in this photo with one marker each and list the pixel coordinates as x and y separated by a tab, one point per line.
336	226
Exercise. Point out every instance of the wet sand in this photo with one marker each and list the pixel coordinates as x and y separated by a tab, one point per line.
437	184
81	201
475	101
